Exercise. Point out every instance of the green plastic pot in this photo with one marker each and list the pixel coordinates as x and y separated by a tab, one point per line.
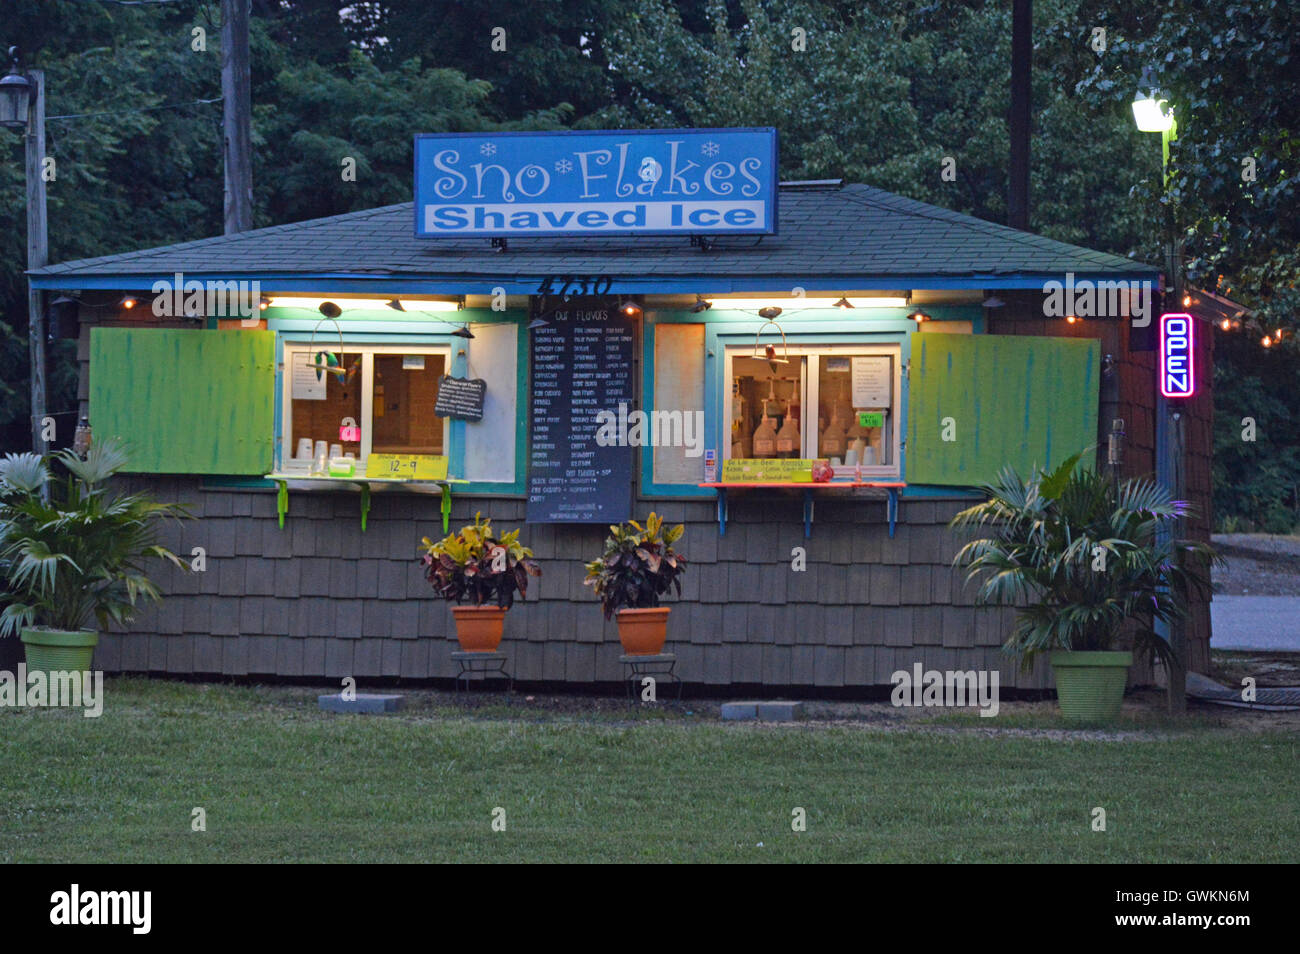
1090	685
56	650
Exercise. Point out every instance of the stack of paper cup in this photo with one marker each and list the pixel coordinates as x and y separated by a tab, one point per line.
304	449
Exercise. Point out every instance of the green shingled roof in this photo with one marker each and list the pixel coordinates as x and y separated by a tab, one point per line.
825	231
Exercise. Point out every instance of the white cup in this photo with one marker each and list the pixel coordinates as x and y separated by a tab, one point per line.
336	450
851	457
869	457
304	449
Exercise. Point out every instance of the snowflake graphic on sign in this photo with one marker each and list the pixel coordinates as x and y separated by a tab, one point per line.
563	165
488	149
710	149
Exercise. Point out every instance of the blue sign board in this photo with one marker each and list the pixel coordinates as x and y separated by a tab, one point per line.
632	182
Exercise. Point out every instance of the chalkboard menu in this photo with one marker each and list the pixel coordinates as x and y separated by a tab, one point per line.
581	365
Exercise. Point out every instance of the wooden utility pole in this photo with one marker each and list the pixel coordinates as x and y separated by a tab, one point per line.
236	95
38	251
1022	52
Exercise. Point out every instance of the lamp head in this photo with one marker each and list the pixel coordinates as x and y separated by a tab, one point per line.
1149	113
15	95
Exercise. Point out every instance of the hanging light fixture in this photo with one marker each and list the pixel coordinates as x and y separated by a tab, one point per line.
629	307
919	316
993	301
395	304
129	301
329	309
770	312
1071	319
538	322
700	305
463	332
844	303
263	303
15	95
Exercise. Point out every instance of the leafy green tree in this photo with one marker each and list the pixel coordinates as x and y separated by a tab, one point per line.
325	120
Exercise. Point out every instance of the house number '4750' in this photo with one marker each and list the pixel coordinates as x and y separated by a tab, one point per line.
567	285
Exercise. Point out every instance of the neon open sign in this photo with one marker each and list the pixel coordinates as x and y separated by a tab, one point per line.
1177	377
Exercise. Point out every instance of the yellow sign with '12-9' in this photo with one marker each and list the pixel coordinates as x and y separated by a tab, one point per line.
407	466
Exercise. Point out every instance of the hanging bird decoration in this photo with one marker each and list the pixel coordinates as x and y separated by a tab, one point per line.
327	361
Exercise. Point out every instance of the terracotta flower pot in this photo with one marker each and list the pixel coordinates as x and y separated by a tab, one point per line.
643	631
478	628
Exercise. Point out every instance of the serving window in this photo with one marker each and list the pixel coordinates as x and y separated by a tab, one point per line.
834	402
365	399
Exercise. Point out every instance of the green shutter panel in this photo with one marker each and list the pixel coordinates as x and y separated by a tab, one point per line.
186	402
1019	400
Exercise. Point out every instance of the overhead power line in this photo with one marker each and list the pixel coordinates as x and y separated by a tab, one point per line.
141	109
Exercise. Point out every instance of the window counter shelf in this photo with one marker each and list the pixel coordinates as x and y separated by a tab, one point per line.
363	484
891	488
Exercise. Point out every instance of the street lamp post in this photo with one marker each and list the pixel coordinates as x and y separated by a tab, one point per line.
1153	114
22	107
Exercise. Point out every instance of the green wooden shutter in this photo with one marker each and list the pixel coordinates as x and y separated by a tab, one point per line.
1019	400
186	402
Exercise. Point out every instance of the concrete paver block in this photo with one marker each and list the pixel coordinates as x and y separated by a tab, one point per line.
364	702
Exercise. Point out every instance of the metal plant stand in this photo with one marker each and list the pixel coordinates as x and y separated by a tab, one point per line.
660	664
484	665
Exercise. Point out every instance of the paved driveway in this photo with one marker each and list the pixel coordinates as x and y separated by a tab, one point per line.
1260	623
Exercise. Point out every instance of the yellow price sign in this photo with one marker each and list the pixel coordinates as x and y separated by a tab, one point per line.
407	466
766	470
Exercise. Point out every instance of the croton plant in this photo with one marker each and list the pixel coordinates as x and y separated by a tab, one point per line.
638	566
474	565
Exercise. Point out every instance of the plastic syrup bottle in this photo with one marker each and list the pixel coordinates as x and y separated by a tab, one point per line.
765	438
833	436
787	439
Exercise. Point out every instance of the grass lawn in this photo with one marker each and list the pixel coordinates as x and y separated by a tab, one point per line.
282	781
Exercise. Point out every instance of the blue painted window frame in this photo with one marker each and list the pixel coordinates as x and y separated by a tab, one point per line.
387	327
722	328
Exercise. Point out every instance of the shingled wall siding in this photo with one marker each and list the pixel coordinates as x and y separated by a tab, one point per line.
322	599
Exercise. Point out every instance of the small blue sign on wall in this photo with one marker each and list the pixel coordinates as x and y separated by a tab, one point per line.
614	182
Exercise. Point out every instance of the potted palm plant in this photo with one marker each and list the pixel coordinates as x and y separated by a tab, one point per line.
638	566
74	554
474	565
1086	560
